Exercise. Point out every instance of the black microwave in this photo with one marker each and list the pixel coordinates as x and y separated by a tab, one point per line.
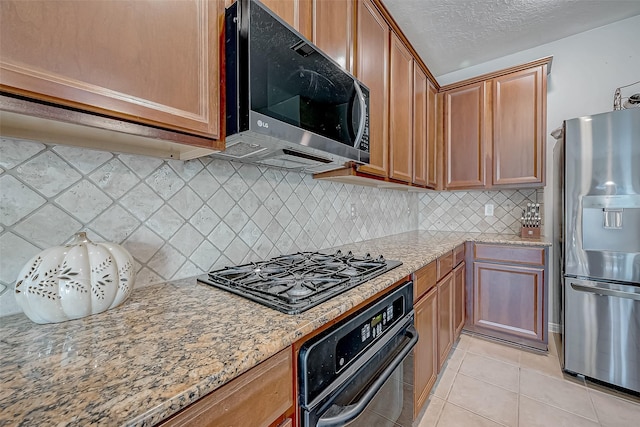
287	103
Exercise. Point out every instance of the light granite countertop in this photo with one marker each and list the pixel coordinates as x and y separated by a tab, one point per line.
171	344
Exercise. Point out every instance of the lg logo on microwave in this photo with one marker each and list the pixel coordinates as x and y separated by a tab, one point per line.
262	124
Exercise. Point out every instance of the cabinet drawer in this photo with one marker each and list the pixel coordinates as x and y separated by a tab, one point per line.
458	255
256	398
445	264
423	280
510	254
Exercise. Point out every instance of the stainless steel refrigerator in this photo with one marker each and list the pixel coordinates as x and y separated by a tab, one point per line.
598	245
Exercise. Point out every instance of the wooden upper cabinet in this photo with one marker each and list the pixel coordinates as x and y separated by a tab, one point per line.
465	136
296	13
420	124
333	30
433	125
372	69
519	101
401	112
145	61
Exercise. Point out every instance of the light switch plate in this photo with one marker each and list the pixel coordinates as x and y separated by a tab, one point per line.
488	209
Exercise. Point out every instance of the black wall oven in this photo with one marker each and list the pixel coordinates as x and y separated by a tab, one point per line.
360	371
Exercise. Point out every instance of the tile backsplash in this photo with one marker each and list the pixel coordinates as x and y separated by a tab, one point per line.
177	219
464	210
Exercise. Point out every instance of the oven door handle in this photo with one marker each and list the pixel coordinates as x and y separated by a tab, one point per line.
348	413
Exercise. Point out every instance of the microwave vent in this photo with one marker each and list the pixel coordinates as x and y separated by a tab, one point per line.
240	150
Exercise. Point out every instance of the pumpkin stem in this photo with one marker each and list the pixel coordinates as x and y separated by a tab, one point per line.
79	238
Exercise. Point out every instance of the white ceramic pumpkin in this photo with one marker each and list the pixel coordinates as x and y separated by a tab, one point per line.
76	280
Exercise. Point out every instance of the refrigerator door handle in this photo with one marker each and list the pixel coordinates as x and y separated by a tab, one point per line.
605	291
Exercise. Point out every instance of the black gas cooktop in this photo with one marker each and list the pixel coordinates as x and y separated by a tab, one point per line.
295	283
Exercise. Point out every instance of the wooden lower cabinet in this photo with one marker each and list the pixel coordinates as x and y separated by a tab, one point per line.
445	318
509	299
426	351
459	300
259	397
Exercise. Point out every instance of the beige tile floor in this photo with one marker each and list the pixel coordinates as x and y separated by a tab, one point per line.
490	384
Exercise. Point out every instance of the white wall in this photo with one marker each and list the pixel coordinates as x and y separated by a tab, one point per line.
586	70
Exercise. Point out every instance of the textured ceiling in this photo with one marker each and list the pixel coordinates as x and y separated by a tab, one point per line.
453	34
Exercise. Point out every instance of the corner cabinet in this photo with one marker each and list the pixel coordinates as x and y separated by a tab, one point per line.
494	132
509	293
147	62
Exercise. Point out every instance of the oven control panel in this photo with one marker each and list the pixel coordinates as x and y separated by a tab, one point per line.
353	343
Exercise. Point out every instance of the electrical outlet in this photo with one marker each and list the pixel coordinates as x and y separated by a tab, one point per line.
353	210
488	209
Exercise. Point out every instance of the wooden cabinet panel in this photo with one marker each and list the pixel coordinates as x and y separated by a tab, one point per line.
419	126
426	351
510	254
424	279
372	69
433	124
333	30
401	111
459	299
256	398
509	299
465	136
445	318
445	264
146	61
458	255
519	127
296	13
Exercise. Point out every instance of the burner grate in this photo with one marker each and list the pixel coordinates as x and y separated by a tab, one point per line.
297	282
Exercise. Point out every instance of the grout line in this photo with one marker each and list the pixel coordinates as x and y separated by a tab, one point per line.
475	413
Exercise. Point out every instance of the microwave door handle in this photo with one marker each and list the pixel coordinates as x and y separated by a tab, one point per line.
605	292
351	412
363	113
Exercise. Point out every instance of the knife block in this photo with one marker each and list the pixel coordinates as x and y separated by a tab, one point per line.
529	232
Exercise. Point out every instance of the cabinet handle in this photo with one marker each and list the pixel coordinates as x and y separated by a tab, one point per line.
605	291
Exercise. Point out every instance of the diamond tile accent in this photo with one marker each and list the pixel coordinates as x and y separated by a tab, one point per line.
165	222
187	239
165	182
16	200
166	261
15	253
84	200
250	233
204	220
204	184
15	151
221	236
86	161
186	202
48	174
114	178
141	201
221	170
115	224
143	244
205	255
221	202
186	169
48	227
140	165
236	187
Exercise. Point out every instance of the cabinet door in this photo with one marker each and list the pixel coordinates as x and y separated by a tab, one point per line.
519	114
144	61
465	136
459	301
419	126
432	128
509	299
332	29
445	318
372	69
296	13
401	112
426	351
